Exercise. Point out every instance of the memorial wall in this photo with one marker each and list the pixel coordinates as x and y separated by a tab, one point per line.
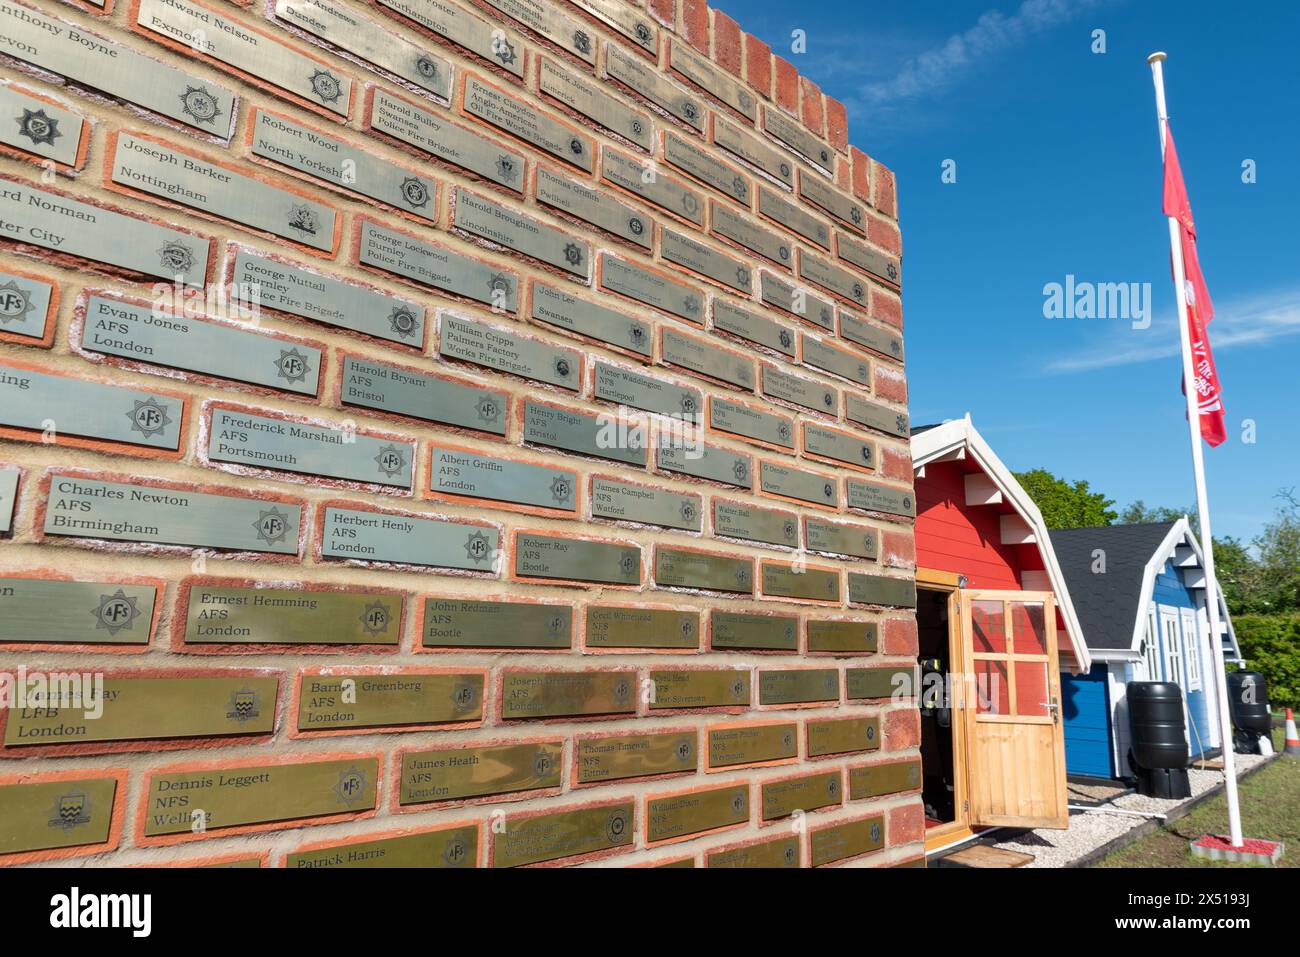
445	433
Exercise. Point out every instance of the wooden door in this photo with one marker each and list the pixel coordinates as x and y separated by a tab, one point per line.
1015	743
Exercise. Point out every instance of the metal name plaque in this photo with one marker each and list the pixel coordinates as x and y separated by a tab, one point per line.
587	98
498	348
719	688
544	556
437	267
837	361
408	540
857	541
684	251
805	393
753	744
42	129
281	140
630	627
708	462
287	616
628	279
879	590
389	388
622	756
352	699
236	45
639	391
885	682
873	337
831	277
626	20
581	433
798	302
754	524
454	774
118	511
750	423
878	264
469	623
630	173
532	126
734	630
489	219
59	47
300	291
843	736
752	150
592	206
40	403
850	839
148	708
794	483
8	498
447	847
793	135
812	584
502	49
50	611
841	446
704	358
842	637
799	686
808	793
748	233
878	779
707	77
629	502
262	441
679	568
560	694
231	797
792	217
679	815
873	497
689	158
24	305
546	21
820	193
783	852
64	225
548	837
648	83
238	353
557	308
756	328
472	474
370	40
429	132
875	416
47	815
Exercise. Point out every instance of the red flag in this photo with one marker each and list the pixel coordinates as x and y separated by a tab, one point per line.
1200	310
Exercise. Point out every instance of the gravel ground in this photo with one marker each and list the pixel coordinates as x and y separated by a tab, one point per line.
1089	830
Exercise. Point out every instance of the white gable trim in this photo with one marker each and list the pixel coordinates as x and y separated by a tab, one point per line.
957	439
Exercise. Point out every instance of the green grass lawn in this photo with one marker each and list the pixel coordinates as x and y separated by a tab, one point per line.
1270	808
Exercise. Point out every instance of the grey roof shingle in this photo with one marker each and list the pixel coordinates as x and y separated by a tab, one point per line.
1107	604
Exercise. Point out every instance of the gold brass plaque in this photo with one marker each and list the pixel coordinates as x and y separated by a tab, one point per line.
879	682
450	774
555	694
783	798
783	852
450	847
627	627
230	797
346	699
141	709
681	814
798	686
843	735
635	755
846	637
291	616
841	841
699	689
47	815
548	837
813	584
877	779
752	744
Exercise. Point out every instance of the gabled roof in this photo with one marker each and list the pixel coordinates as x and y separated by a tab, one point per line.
933	443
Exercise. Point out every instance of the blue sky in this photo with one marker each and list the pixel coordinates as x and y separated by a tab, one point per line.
1058	172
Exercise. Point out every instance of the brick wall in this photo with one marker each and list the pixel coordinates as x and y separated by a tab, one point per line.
351	356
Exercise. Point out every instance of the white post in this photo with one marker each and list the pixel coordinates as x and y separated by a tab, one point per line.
1198	468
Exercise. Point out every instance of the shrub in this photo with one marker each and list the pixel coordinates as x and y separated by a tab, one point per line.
1271	645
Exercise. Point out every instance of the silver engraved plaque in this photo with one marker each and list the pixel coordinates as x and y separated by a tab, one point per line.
408	540
50	611
235	44
155	169
464	29
875	416
847	365
582	433
690	159
262	441
89	59
879	264
875	338
796	301
24	305
543	19
370	40
239	353
61	223
834	538
630	388
748	233
684	251
503	350
532	126
430	133
489	219
754	524
874	497
752	150
729	629
688	352
600	209
126	512
841	446
388	388
706	76
647	82
39	128
629	502
750	423
545	556
756	328
843	207
663	191
668	295
61	405
790	216
629	21
777	384
558	308
463	472
582	96
300	291
829	276
793	135
281	140
437	267
798	484
707	462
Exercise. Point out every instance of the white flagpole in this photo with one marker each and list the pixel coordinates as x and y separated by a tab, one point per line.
1198	468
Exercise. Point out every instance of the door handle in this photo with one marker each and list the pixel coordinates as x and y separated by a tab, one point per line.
1053	707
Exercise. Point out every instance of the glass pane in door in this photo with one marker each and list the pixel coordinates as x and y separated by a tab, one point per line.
988	626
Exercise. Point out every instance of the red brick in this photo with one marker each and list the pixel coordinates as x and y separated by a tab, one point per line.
898	549
884	234
664	11
886	308
726	42
906	824
886	197
813	113
758	65
787	85
896	463
695	24
861	174
837	124
899	636
891	384
902	729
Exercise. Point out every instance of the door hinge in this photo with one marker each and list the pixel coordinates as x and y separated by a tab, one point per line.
965	807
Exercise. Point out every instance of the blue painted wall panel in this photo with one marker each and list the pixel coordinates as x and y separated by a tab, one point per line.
1085	709
1170	592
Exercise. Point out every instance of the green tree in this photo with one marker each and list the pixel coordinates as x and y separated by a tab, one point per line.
1137	513
1066	504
